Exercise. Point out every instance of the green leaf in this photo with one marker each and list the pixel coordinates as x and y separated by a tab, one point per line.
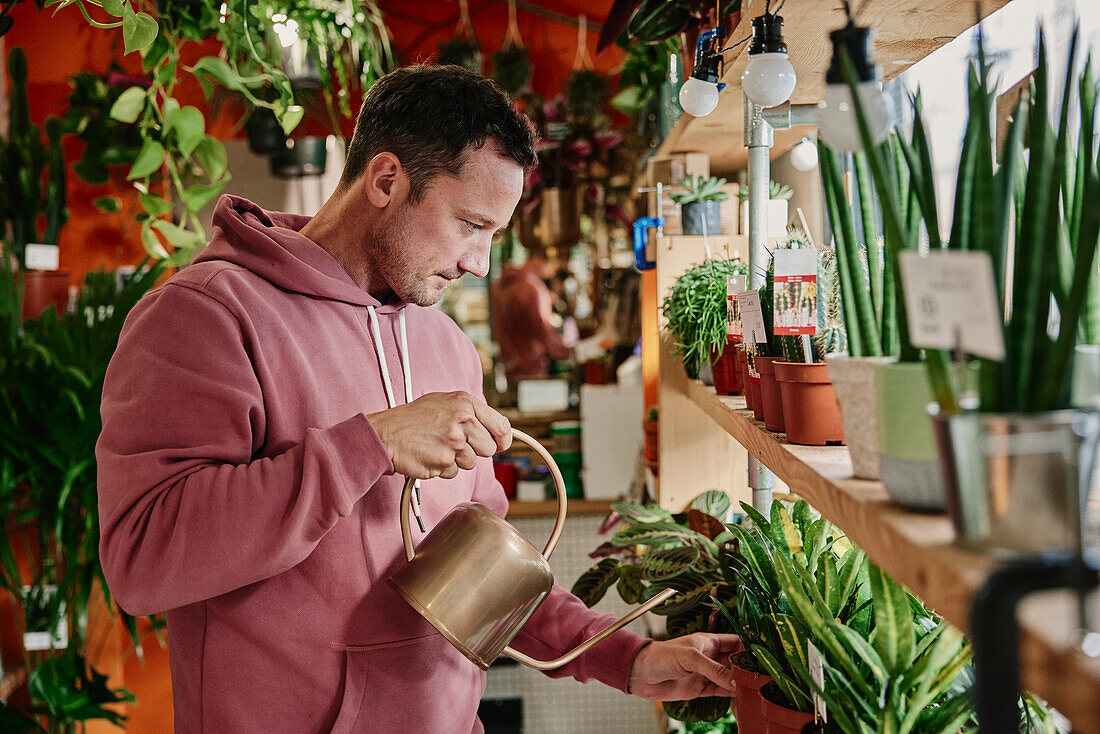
656	533
635	513
189	126
759	561
630	586
666	562
148	160
138	29
708	708
290	117
783	532
129	104
179	237
894	635
692	589
109	204
113	7
151	242
594	583
210	154
757	519
197	196
713	502
219	71
155	206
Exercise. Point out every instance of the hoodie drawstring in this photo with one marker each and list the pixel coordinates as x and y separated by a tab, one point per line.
407	370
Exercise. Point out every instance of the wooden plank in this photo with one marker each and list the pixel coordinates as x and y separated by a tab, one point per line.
916	549
549	508
695	454
906	31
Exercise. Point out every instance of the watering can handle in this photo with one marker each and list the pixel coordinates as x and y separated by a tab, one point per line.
559	488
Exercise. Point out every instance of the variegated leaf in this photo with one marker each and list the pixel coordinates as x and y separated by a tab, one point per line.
595	582
758	520
635	513
654	533
709	708
630	586
667	562
704	524
713	502
678	625
894	636
692	589
604	550
783	532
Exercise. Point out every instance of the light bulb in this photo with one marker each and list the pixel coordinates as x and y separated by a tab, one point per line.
836	116
804	155
768	79
697	97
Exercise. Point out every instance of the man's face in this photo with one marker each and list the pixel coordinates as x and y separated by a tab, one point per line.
422	247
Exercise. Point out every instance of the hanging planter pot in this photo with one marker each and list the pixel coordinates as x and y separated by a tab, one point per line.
265	135
770	395
1013	480
701	217
810	411
301	157
855	382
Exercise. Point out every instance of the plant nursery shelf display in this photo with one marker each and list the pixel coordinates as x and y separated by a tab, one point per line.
916	549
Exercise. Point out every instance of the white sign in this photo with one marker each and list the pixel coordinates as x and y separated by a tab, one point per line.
42	257
952	303
795	292
817	672
752	318
734	285
45	640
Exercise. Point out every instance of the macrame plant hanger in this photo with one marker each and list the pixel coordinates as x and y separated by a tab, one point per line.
512	38
583	60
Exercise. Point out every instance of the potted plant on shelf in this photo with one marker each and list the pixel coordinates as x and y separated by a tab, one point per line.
699	202
656	549
1029	392
695	311
32	185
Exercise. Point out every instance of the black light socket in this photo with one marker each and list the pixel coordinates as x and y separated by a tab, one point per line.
767	35
859	43
706	67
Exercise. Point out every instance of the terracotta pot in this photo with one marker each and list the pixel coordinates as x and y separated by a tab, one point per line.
650	445
810	410
750	706
769	393
597	372
44	288
757	398
780	719
724	369
745	387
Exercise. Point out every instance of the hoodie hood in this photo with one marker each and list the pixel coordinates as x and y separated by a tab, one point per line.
271	245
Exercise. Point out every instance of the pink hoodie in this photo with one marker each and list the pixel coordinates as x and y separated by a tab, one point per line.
243	490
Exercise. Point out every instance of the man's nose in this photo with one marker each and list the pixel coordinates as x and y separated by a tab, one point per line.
476	263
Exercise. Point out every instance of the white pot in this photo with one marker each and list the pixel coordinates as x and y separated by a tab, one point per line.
857	393
777	218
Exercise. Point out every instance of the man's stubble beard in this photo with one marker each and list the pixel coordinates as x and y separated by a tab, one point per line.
394	256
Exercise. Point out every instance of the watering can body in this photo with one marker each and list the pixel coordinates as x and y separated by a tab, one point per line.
477	580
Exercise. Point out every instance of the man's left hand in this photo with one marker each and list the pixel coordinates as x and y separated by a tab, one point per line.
685	667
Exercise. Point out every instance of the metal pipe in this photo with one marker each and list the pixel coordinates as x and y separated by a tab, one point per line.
759	140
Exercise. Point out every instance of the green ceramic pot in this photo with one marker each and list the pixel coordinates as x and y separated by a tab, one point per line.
908	462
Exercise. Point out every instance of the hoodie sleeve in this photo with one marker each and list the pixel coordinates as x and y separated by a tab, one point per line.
186	512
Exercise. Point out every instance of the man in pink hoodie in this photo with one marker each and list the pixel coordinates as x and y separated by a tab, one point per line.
264	406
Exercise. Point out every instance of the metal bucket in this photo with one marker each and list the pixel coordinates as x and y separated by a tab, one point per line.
1014	480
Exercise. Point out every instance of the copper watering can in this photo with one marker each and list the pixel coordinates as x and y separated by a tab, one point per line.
477	580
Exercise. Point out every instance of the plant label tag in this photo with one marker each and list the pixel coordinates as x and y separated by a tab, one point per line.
817	672
42	257
795	292
38	635
952	303
734	284
752	318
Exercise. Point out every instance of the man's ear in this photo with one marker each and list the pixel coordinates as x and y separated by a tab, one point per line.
385	180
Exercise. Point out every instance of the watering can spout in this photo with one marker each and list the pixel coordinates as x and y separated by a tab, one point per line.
582	648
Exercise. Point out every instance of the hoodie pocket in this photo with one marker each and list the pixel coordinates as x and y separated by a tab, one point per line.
355	685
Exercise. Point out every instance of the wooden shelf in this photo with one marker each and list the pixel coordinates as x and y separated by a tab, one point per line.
549	508
905	32
916	549
11	680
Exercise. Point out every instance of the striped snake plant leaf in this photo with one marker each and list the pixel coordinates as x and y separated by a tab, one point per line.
758	519
894	637
964	185
594	583
636	513
870	232
630	585
832	187
651	533
665	563
784	534
922	171
713	502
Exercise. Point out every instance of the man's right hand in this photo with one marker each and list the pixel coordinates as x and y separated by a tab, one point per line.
439	433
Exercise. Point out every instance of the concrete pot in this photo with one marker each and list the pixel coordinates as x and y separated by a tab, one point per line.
855	382
701	218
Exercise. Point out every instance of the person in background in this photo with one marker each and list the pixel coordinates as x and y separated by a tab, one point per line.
522	308
264	407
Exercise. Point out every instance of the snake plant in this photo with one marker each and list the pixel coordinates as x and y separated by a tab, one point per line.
1029	213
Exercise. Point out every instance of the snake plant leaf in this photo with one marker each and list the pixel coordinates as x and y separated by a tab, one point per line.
651	533
713	502
667	562
630	586
636	513
594	583
759	561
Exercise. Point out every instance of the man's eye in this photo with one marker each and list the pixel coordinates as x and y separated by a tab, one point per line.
471	226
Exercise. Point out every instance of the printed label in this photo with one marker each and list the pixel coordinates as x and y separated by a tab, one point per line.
734	285
795	292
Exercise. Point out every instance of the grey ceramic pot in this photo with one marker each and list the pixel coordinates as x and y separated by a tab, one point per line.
701	217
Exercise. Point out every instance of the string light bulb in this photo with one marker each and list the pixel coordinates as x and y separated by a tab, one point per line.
837	121
699	92
769	78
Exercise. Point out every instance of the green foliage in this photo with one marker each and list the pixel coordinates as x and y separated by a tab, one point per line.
656	550
585	91
32	173
695	309
512	69
700	188
775	191
461	51
107	141
655	21
642	73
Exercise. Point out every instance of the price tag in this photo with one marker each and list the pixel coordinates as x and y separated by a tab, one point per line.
41	257
795	292
817	672
952	303
752	318
734	285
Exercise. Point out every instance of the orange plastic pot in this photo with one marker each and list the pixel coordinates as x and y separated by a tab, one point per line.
43	289
780	719
727	381
750	705
810	411
770	395
757	397
743	361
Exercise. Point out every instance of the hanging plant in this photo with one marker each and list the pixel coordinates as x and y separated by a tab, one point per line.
584	94
462	50
512	70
